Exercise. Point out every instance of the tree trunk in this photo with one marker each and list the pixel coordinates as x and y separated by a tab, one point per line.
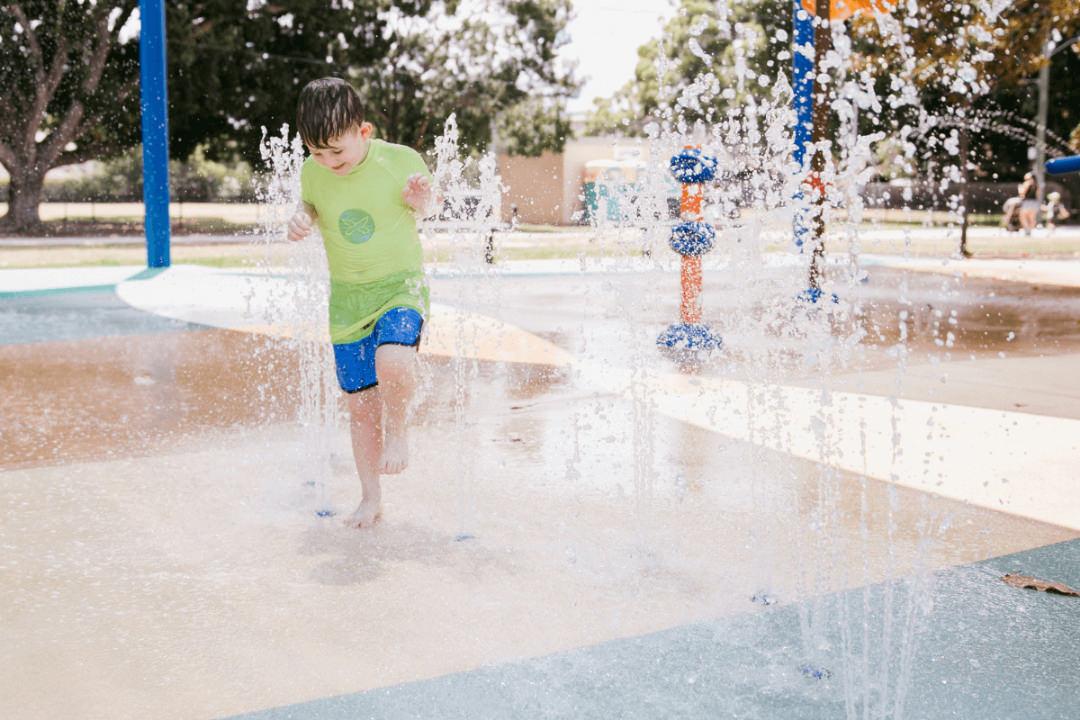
24	197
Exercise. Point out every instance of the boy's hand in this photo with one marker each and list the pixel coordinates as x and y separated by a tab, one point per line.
417	193
299	226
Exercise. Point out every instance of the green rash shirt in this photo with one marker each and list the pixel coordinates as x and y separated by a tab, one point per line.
372	247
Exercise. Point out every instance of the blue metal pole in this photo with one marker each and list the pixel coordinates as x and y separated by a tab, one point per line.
802	76
155	131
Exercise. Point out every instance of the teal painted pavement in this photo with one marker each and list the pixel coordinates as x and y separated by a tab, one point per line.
76	313
975	648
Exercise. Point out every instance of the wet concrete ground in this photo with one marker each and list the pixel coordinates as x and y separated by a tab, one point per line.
136	381
162	556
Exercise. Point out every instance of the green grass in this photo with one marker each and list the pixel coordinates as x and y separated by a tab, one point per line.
571	244
133	226
564	253
530	228
220	262
893	224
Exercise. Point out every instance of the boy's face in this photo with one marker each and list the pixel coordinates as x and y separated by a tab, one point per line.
345	151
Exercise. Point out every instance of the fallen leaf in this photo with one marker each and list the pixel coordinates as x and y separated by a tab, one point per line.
1030	583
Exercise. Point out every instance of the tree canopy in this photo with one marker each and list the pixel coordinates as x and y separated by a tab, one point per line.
934	65
956	68
709	57
70	80
413	61
487	61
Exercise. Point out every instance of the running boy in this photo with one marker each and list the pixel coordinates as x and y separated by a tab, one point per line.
365	194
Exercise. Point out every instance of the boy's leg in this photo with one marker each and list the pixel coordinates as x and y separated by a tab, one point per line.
394	366
366	428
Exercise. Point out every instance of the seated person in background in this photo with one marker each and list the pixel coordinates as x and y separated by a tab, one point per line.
1053	210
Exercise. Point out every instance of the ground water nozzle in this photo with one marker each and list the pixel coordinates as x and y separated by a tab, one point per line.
813	294
815	673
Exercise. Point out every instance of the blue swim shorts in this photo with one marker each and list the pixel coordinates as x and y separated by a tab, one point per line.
356	360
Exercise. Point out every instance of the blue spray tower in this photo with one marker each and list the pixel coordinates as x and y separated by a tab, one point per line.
810	45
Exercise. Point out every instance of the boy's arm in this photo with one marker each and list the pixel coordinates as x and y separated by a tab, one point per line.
302	221
417	193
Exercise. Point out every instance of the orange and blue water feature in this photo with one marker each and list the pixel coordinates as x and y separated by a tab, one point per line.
691	238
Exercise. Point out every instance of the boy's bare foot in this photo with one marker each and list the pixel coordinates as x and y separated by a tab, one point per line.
365	516
395	456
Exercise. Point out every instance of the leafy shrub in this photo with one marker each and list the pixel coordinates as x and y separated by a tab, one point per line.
197	179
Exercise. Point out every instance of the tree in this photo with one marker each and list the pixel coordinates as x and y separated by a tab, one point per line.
932	62
262	54
711	57
959	65
533	126
414	61
487	61
66	93
1031	28
957	69
69	90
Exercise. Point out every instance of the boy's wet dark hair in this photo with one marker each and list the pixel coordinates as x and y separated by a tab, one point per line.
328	107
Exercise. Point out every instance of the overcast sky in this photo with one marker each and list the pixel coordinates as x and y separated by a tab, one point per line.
604	38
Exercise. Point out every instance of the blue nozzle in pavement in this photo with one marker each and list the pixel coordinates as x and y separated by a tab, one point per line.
686	336
815	673
1063	166
692	238
812	295
692	166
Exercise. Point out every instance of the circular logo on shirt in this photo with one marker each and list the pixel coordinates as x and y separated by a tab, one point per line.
356	226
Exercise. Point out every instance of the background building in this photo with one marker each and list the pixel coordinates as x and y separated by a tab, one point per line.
549	190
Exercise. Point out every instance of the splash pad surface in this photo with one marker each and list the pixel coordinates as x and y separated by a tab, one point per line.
163	557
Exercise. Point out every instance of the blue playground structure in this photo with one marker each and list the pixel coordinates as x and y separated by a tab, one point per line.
154	101
1064	165
802	86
